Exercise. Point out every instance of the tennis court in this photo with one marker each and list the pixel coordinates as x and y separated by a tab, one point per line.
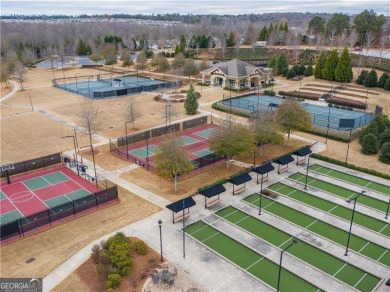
247	259
42	190
321	115
352	179
306	252
331	208
359	245
338	191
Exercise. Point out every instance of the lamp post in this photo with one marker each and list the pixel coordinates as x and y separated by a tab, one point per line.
127	144
365	108
161	251
280	262
387	210
93	159
353	213
307	171
184	226
75	76
261	193
75	152
349	142
327	130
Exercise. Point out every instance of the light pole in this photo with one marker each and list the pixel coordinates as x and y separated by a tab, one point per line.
307	171
353	213
127	144
93	159
327	130
387	211
184	226
349	142
75	76
75	152
261	193
161	252
280	262
365	108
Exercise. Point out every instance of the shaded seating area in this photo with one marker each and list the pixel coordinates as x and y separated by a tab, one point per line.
210	193
181	209
263	170
283	161
301	154
240	181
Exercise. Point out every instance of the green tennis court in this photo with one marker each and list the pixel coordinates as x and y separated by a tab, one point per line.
45	180
2	196
335	234
208	133
340	191
308	253
248	260
186	140
144	151
203	152
352	179
332	208
10	217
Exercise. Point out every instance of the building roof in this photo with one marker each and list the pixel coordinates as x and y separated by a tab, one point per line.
213	191
178	205
240	179
234	68
263	169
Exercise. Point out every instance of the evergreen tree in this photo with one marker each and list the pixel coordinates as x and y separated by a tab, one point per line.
383	79
384	154
328	73
191	104
319	65
309	70
263	34
230	42
270	30
371	79
301	70
285	27
343	71
387	85
291	73
181	46
272	64
361	77
370	144
282	64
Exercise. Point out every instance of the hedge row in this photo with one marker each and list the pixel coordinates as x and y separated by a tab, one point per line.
350	166
311	96
330	136
346	102
235	89
216	106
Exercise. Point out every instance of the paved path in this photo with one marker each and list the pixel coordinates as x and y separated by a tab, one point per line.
14	90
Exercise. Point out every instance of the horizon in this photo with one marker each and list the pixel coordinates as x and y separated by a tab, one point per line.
218	7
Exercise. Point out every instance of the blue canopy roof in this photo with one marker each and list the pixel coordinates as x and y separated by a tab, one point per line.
303	151
213	191
240	179
263	169
178	206
284	160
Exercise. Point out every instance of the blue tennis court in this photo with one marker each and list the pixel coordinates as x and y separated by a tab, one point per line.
321	115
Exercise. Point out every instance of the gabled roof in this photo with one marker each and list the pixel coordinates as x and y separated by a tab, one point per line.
234	68
213	191
284	160
240	179
263	169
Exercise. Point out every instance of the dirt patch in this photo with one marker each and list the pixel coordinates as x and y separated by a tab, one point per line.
187	186
105	158
53	246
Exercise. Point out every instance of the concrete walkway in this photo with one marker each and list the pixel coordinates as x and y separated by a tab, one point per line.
14	90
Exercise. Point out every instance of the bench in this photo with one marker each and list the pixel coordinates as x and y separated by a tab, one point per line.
181	217
301	160
265	178
239	190
211	203
283	169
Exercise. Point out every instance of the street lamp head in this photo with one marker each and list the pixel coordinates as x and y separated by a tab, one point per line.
294	241
348	201
159	222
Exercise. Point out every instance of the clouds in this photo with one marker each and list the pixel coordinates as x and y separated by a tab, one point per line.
190	6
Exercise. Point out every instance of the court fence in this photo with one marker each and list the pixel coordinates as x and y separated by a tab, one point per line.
108	192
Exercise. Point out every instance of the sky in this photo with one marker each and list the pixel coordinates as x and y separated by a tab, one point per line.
72	7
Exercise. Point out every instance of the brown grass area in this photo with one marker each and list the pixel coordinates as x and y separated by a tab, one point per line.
105	158
33	135
53	246
187	186
338	150
4	90
273	151
86	277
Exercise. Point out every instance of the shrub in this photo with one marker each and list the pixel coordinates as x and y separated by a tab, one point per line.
269	92
291	74
384	137
309	71
382	81
370	144
387	85
218	182
157	98
95	253
113	281
140	246
295	68
301	70
346	102
361	77
384	154
371	79
305	95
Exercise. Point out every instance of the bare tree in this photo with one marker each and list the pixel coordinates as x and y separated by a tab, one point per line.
132	110
352	38
332	35
342	38
90	117
383	42
20	73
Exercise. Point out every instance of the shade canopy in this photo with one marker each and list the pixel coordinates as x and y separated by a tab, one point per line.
179	206
213	191
284	160
263	169
240	179
303	151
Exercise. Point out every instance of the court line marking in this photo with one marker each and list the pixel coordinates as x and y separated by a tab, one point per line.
246	217
360	280
340	269
250	266
386	224
210	236
364	246
382	255
198	230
